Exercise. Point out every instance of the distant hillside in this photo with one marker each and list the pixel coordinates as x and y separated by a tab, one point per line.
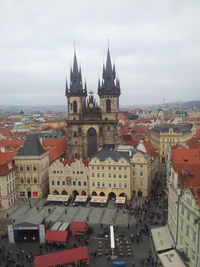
188	104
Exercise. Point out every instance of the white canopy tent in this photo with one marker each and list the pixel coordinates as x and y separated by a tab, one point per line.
171	258
162	238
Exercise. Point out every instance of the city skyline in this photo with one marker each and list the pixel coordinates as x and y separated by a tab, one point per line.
153	45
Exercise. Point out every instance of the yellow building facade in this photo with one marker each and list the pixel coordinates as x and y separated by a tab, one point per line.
123	172
165	135
109	174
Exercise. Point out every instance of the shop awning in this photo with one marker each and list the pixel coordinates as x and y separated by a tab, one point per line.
56	236
99	199
162	238
60	198
62	257
81	199
120	200
78	227
171	258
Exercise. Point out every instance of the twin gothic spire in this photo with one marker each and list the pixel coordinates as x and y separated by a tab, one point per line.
108	86
76	85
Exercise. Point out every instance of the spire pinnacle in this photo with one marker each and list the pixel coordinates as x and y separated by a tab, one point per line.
110	85
76	85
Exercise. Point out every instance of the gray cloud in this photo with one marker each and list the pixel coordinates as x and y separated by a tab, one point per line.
155	45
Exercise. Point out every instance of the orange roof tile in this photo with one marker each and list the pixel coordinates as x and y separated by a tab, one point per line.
149	148
121	116
185	156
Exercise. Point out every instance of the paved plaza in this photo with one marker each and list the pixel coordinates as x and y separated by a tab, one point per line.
99	218
52	213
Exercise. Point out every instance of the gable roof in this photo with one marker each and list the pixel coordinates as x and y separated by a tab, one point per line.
32	146
113	154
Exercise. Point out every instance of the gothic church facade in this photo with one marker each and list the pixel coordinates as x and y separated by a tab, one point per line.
91	127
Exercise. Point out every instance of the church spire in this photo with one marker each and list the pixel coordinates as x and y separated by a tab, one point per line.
109	78
76	86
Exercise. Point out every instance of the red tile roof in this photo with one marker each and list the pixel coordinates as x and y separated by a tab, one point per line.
149	148
7	167
185	156
11	144
6	157
186	162
56	147
121	116
194	142
67	161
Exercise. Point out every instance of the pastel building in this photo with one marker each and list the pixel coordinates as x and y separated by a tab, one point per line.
184	203
8	186
165	135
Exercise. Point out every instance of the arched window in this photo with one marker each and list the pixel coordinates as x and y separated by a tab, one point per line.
34	168
22	180
75	134
27	168
35	181
74	106
108	105
28	181
21	168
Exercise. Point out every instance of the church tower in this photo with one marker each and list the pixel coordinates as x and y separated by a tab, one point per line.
91	127
76	95
109	91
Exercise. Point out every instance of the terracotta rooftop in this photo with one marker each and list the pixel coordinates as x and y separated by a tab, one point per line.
6	168
67	161
194	142
182	156
186	162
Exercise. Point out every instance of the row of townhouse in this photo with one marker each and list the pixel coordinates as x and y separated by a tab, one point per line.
37	172
184	203
125	171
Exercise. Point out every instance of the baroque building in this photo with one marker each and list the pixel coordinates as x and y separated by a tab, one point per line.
8	188
124	172
165	135
91	126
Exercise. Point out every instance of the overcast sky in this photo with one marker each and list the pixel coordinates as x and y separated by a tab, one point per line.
155	45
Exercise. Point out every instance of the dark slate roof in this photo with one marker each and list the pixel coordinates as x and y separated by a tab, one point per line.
32	146
116	155
164	128
113	154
